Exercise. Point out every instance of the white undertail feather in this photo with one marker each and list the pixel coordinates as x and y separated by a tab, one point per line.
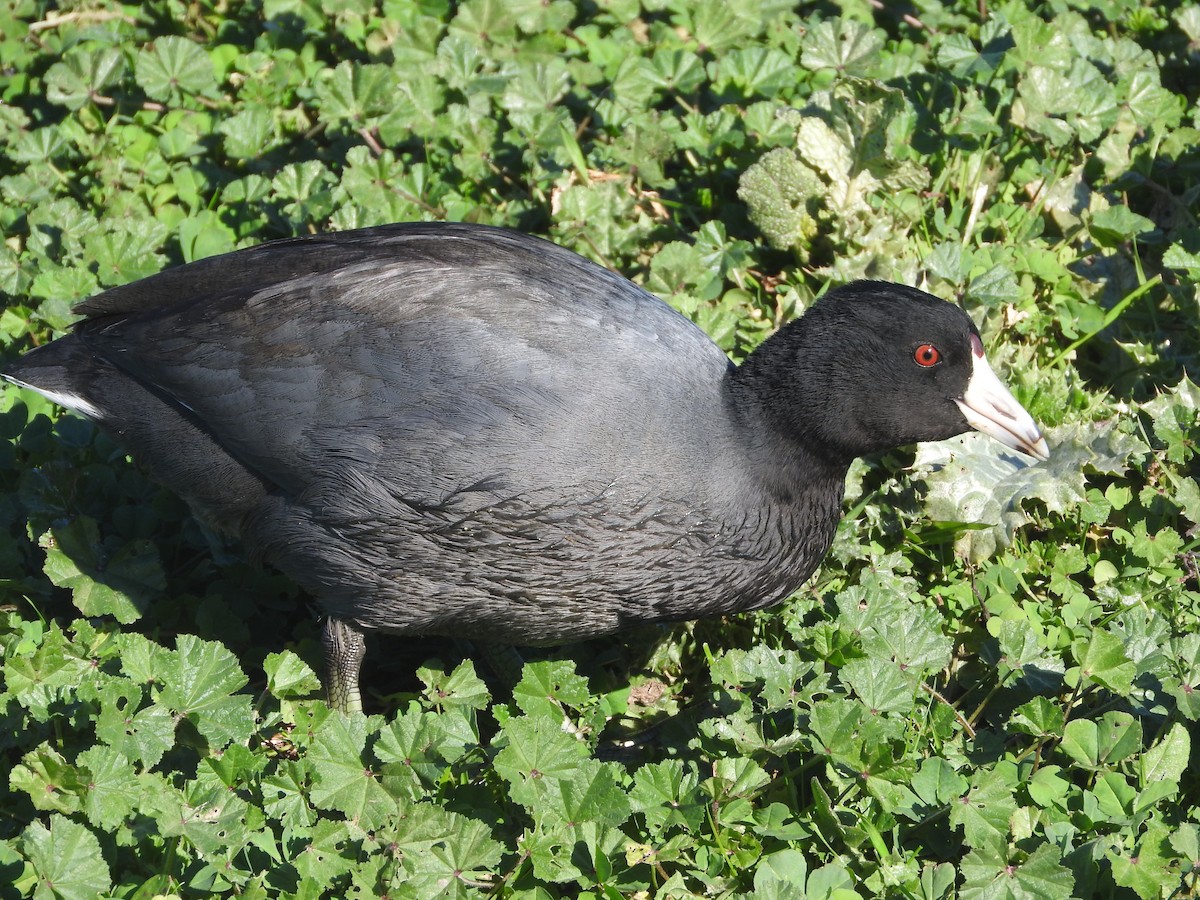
72	402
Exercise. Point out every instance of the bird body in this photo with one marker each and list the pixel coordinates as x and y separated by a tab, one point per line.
453	429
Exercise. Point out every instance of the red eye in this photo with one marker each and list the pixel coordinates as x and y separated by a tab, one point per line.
926	356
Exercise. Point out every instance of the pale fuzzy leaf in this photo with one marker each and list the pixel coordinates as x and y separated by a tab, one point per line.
1185	394
974	480
777	189
1188	20
822	148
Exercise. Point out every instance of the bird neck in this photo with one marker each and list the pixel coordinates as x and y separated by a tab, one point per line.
773	427
788	410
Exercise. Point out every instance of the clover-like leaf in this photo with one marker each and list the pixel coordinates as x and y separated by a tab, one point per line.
342	780
67	859
843	44
989	875
1096	744
202	686
82	74
174	67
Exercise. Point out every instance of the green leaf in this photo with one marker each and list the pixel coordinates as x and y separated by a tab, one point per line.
783	868
355	93
201	686
1168	759
249	134
1179	258
1149	870
49	780
779	672
121	584
719	26
1040	716
538	752
204	234
739	777
1098	744
1102	659
205	814
936	783
548	688
411	749
342	781
1114	798
983	812
141	734
909	635
1186	842
990	876
880	685
995	287
83	73
592	794
442	850
846	45
67	859
461	689
126	254
763	71
1049	789
289	676
668	795
36	677
112	791
1117	224
173	67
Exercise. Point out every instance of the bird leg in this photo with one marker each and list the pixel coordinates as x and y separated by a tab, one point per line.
345	648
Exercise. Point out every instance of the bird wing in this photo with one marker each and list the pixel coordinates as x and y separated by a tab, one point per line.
424	359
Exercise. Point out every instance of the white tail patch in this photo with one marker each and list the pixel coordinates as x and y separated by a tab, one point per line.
72	402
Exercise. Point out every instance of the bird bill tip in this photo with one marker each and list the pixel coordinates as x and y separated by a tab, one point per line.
989	407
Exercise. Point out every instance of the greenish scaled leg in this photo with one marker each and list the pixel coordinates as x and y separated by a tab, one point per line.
344	651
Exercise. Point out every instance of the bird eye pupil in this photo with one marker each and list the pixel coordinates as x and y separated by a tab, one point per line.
927	355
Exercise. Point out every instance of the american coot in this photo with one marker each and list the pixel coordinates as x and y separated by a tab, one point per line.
459	430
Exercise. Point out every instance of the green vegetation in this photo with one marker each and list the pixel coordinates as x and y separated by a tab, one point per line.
991	688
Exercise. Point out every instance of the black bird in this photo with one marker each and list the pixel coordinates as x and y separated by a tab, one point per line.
458	430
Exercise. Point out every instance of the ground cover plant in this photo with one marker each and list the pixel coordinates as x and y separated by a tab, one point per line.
990	689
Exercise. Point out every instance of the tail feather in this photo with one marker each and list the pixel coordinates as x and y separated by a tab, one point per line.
177	450
60	371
